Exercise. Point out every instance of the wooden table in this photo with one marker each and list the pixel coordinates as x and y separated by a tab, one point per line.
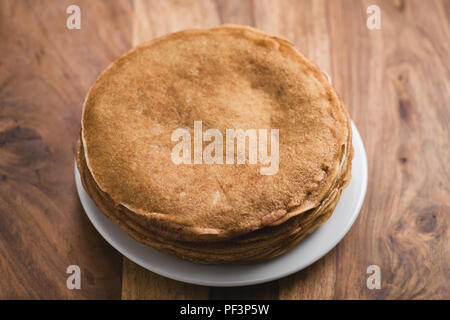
395	82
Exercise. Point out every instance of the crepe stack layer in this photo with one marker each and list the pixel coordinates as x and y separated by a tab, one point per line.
229	77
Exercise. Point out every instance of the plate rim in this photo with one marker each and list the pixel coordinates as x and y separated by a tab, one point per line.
237	283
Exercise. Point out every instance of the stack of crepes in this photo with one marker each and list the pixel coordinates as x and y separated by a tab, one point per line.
229	77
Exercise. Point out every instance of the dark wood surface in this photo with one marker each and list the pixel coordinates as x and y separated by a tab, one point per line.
395	82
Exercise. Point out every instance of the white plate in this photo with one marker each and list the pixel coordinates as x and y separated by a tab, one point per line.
311	249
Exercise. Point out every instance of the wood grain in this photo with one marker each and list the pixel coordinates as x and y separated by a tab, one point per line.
395	82
45	71
139	284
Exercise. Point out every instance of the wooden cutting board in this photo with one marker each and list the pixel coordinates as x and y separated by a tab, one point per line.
395	82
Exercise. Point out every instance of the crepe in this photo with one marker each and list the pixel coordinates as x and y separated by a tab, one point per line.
229	77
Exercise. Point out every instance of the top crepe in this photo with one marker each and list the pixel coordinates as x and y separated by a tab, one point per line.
227	77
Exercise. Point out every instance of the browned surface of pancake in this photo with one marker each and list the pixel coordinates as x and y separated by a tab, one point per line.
227	77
